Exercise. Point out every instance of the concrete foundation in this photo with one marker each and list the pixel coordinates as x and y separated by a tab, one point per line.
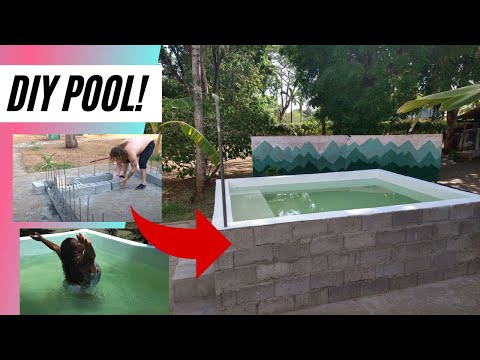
70	195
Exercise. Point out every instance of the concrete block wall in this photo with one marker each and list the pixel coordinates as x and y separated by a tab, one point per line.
151	177
88	179
283	267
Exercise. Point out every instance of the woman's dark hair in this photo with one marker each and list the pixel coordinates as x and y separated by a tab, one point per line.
119	152
71	257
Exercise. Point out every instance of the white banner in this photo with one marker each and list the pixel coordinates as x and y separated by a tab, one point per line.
80	93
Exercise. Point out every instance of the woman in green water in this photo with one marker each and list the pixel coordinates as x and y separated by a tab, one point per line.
78	261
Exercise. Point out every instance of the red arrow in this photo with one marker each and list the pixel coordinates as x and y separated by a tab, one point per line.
205	243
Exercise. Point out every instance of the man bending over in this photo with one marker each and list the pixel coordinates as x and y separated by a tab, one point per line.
127	152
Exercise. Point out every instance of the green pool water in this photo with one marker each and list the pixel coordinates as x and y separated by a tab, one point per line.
126	287
261	202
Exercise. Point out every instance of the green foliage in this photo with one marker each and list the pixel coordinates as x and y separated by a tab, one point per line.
292	117
156	157
245	75
310	126
112	232
181	207
182	103
205	146
359	87
48	163
448	100
271	171
34	147
424	126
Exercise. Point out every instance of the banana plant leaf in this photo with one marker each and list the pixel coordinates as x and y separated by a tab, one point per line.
205	146
179	104
449	100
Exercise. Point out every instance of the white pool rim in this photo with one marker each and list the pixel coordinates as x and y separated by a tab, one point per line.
88	231
418	185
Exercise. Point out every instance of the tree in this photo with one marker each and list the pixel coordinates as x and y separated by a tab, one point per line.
70	141
284	86
241	75
450	101
450	67
356	87
200	162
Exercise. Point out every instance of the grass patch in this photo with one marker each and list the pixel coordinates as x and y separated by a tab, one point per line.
177	205
38	167
34	146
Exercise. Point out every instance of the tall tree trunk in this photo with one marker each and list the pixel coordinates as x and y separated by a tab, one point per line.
449	134
324	127
202	69
217	60
301	108
200	163
291	112
70	141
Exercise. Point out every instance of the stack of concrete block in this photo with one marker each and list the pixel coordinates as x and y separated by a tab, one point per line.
115	184
63	181
151	178
283	267
102	186
88	179
191	295
39	187
84	189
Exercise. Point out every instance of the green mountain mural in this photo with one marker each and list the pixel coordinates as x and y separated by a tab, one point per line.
423	163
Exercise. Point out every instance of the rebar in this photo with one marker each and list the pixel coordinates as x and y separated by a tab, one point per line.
103	217
56	182
94	164
109	166
93	220
70	198
80	207
65	187
74	201
88	206
64	163
78	166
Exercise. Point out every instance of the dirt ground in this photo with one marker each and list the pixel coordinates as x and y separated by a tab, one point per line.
177	193
90	147
462	175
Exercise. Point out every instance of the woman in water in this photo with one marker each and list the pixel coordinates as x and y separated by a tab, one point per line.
78	261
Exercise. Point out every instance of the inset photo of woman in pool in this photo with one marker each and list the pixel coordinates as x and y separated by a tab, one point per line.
91	272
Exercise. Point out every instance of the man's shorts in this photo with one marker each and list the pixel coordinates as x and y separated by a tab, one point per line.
145	155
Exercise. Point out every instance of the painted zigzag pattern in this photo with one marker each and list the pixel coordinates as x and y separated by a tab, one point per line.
423	163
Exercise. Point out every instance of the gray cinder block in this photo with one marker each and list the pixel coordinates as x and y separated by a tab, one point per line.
39	187
276	305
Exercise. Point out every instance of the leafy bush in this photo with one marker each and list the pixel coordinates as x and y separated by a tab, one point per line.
424	126
271	171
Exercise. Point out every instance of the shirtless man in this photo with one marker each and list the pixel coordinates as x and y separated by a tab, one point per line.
127	153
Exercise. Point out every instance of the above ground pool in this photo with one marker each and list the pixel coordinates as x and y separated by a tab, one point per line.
134	278
300	241
276	199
